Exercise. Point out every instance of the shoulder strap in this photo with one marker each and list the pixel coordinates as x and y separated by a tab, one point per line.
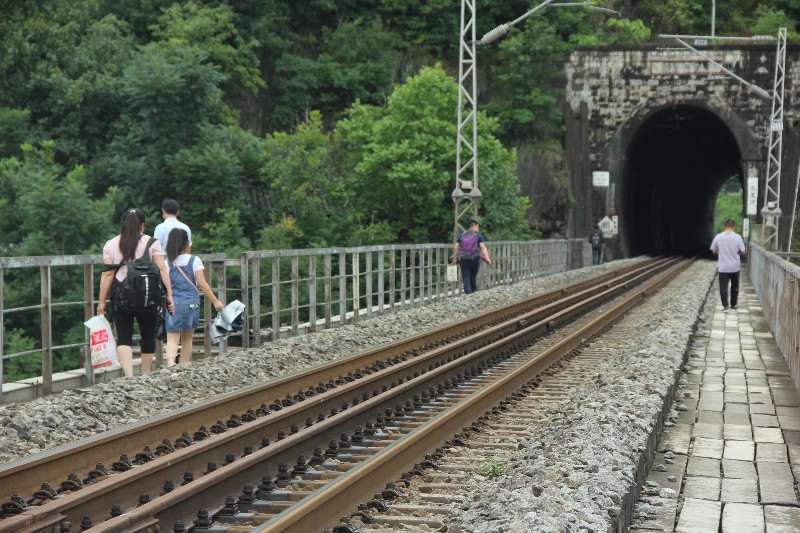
192	283
150	242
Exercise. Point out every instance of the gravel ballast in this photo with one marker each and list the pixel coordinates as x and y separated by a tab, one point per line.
569	475
573	473
39	425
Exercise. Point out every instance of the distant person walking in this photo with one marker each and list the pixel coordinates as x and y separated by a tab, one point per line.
469	249
186	276
596	240
170	209
129	245
729	249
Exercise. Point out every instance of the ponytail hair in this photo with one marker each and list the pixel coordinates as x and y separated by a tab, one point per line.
130	235
177	243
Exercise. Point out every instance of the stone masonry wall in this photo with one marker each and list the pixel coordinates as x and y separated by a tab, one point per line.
611	90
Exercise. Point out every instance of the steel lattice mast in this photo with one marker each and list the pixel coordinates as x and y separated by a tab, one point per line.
466	194
771	210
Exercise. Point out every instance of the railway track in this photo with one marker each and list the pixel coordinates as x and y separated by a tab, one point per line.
424	388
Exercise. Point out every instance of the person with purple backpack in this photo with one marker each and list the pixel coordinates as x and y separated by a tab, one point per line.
469	250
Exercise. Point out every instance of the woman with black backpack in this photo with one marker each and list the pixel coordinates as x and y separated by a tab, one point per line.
134	297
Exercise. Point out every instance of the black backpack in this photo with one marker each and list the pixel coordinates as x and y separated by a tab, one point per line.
597	241
142	289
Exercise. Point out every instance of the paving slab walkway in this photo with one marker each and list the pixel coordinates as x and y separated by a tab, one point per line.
732	455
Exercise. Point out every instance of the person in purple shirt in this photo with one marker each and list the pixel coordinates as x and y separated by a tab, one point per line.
728	246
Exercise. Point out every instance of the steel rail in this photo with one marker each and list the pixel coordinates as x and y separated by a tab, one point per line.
25	476
325	506
195	457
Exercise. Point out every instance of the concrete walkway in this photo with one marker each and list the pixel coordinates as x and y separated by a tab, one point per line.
732	456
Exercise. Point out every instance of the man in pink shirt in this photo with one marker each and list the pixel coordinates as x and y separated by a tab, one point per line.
728	246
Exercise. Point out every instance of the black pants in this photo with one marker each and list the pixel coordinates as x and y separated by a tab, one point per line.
597	256
733	279
123	322
469	274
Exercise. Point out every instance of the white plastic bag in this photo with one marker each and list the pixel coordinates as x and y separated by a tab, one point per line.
102	345
228	320
452	272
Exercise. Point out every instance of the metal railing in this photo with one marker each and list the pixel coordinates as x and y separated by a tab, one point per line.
777	285
286	292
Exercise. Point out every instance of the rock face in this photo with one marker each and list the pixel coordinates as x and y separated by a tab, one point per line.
538	171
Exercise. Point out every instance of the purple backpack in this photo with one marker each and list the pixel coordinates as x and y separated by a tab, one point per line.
469	246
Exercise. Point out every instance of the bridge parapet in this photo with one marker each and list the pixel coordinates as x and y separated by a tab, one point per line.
777	284
287	292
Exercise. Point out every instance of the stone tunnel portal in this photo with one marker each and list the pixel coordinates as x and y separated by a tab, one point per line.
674	166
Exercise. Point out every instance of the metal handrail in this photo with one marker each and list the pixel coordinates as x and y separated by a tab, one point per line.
301	290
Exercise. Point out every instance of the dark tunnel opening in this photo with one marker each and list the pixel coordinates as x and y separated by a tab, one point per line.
675	165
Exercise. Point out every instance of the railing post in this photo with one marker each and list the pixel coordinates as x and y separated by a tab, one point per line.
222	294
47	333
245	277
88	312
255	299
342	288
430	266
368	275
392	281
312	292
356	286
381	280
403	254
207	311
295	294
417	263
328	290
276	298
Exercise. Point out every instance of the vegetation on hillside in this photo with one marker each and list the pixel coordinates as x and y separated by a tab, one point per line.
281	123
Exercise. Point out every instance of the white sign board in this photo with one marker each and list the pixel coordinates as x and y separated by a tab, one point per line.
752	196
607	227
776	125
601	178
700	42
745	228
614	225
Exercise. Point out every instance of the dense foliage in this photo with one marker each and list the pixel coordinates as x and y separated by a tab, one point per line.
283	123
729	205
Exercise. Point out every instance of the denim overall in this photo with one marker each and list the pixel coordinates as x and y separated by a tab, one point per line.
186	298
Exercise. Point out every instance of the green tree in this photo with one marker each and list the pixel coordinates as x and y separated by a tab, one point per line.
301	184
213	29
523	84
402	159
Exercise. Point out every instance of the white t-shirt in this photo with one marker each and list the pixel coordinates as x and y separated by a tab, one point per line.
183	260
727	246
162	231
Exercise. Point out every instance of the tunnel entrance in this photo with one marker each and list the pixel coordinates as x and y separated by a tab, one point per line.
676	163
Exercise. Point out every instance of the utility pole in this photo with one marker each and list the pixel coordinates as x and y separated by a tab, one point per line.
713	16
771	211
466	194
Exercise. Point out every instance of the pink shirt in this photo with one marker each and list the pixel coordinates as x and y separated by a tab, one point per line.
111	251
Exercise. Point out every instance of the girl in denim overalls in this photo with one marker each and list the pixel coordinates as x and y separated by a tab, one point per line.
186	276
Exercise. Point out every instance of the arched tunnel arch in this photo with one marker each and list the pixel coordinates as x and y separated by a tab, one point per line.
674	166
